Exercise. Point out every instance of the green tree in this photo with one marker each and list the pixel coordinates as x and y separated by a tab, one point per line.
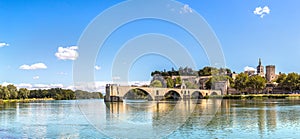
13	91
256	83
190	85
241	82
291	82
170	82
1	93
5	91
178	81
23	93
155	72
281	78
207	71
156	83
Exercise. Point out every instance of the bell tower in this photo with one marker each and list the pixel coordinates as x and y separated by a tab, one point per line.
260	69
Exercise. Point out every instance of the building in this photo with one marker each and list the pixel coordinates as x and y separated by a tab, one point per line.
250	72
270	73
260	69
222	85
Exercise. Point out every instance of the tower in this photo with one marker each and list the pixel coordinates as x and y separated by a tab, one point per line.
270	73
260	69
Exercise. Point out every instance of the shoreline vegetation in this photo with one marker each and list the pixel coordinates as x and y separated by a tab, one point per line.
11	93
256	96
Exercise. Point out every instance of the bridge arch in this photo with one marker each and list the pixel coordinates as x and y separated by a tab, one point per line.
137	93
197	95
214	94
172	95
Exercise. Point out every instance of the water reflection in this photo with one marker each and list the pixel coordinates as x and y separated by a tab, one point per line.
204	118
48	119
159	119
230	118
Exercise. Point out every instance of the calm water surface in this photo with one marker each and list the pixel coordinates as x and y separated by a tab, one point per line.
183	119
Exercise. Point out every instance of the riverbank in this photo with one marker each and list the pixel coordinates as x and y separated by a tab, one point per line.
257	96
25	100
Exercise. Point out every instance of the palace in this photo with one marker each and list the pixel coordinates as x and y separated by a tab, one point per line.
270	72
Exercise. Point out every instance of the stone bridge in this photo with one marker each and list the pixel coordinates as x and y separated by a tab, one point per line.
115	93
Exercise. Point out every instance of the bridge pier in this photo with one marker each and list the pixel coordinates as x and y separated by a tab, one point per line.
158	98
186	97
113	99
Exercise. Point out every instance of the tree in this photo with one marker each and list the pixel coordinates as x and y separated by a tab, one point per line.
256	83
228	71
23	93
155	72
178	81
156	83
170	82
5	92
291	82
1	93
207	71
281	78
190	85
241	82
13	91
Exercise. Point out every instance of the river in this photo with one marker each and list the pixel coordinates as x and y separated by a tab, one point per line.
212	118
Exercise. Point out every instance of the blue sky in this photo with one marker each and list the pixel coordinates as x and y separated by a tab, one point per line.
32	31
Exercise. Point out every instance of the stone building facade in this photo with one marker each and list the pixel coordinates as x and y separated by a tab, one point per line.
270	73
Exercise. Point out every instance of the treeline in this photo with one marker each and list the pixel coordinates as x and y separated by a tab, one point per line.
256	84
289	82
11	92
249	84
206	71
88	95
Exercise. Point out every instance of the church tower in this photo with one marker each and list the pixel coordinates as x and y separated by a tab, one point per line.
260	69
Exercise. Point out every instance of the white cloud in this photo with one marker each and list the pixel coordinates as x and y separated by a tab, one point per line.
24	85
97	67
47	86
34	86
36	77
6	83
139	83
33	66
68	53
99	86
262	11
186	9
21	85
56	86
247	68
62	73
40	86
3	44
